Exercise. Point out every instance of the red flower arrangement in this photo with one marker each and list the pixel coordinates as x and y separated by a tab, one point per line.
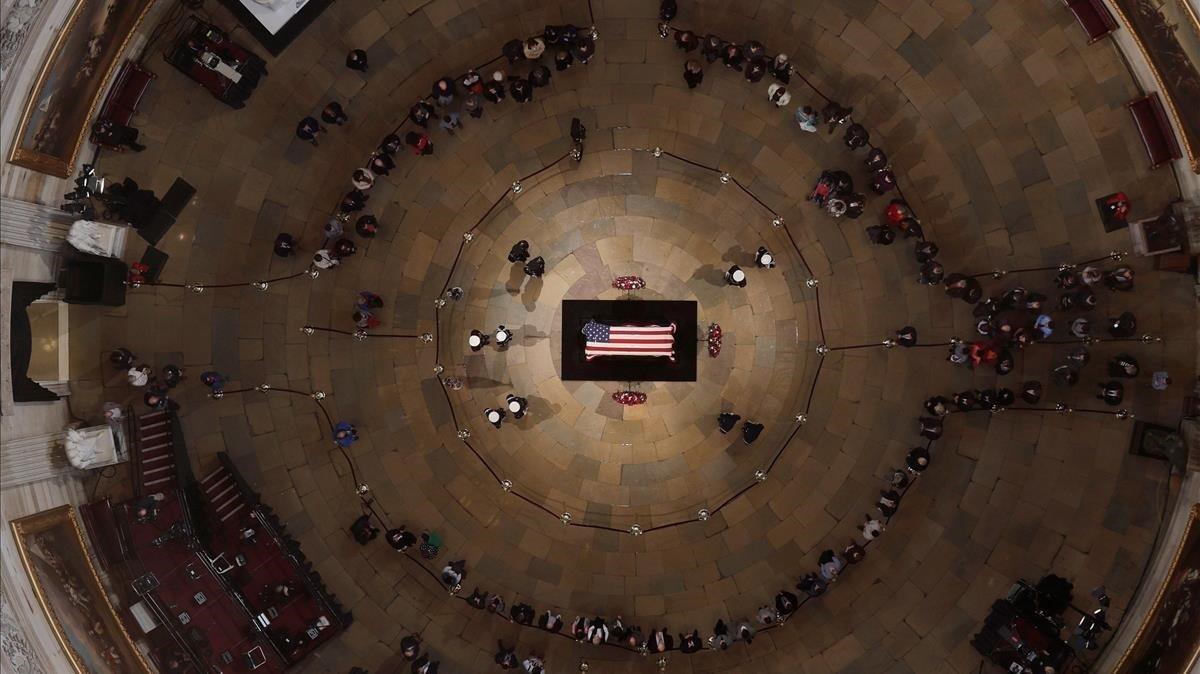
714	340
629	398
137	274
629	283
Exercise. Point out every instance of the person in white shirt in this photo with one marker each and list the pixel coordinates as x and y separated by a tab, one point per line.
872	528
597	631
323	259
533	665
139	376
533	48
516	405
494	416
363	179
778	95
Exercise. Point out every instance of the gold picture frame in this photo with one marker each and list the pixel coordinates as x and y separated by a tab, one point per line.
59	567
1162	52
1183	577
78	69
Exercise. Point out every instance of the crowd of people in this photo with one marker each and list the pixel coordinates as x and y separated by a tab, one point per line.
157	384
450	100
1019	317
599	630
1012	320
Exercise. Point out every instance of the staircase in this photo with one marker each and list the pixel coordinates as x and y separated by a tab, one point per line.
156	460
223	494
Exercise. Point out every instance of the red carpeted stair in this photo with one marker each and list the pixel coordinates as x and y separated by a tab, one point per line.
156	459
222	492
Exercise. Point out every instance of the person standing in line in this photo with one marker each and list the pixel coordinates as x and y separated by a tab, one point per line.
401	539
881	235
366	226
807	118
533	48
720	637
536	267
344	248
285	245
357	60
473	105
324	259
693	73
118	135
1112	392
334	114
750	432
563	59
450	122
539	76
420	113
362	531
521	90
710	47
345	434
584	50
781	69
443	91
419	143
778	95
309	129
494	416
215	381
519	252
121	358
139	376
516	405
410	646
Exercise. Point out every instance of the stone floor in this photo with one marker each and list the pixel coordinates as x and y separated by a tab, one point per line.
1004	126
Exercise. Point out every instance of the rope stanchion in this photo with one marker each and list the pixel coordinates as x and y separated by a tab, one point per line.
361	489
1001	273
198	288
360	334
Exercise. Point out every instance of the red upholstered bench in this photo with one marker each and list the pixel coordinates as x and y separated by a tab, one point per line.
1155	129
123	98
1093	16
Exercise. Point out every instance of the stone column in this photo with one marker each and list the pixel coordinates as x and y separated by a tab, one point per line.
31	225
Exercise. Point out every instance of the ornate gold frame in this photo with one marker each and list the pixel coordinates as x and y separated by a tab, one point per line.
60	517
1152	616
44	163
1172	110
1191	12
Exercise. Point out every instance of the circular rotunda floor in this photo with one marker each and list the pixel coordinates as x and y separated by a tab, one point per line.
1003	125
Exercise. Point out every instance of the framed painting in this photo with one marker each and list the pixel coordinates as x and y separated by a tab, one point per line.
1167	32
76	605
1169	639
63	98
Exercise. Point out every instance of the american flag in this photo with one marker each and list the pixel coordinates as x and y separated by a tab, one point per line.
629	340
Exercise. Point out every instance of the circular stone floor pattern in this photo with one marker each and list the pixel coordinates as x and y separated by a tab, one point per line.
1000	181
578	450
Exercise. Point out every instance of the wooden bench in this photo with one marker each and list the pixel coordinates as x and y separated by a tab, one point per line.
1155	129
123	98
1093	16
